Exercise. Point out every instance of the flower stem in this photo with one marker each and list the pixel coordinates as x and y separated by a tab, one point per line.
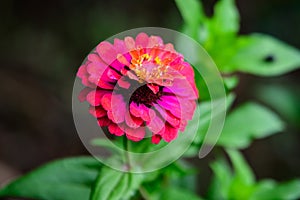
144	193
127	153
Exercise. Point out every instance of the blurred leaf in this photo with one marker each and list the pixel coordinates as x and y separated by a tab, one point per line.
108	180
248	122
231	82
241	168
192	14
169	193
205	116
226	17
178	174
221	182
67	179
243	181
237	183
264	55
269	190
204	122
174	193
114	185
222	30
181	175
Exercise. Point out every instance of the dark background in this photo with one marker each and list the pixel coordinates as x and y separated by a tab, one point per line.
44	42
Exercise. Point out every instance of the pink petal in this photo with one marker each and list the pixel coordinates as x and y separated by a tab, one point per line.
171	100
170	103
106	101
112	74
122	82
154	88
183	124
96	68
115	129
97	111
135	134
182	87
169	133
122	59
189	108
117	108
155	41
83	93
84	75
107	52
169	47
156	139
168	116
156	125
134	109
114	117
98	74
174	121
94	58
133	122
142	40
82	71
141	111
85	81
129	43
117	65
105	85
103	121
95	97
120	46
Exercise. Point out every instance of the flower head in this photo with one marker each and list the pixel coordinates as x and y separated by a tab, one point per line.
138	84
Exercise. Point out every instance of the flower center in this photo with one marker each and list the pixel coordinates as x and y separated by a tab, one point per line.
147	68
144	95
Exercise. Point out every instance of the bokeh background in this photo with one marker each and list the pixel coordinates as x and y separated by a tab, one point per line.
44	42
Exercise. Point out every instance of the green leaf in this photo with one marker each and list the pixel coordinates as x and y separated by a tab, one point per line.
231	82
243	181
67	179
181	175
192	14
269	190
264	55
226	17
114	185
204	122
237	183
241	168
174	193
222	179
248	122
221	34
205	117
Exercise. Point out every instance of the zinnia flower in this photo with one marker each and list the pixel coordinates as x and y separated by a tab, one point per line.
134	85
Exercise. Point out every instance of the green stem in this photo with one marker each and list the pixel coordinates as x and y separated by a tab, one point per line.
127	153
144	193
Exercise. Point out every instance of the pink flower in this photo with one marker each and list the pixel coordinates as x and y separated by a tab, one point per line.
134	85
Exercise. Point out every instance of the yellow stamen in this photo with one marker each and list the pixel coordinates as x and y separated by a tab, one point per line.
157	60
